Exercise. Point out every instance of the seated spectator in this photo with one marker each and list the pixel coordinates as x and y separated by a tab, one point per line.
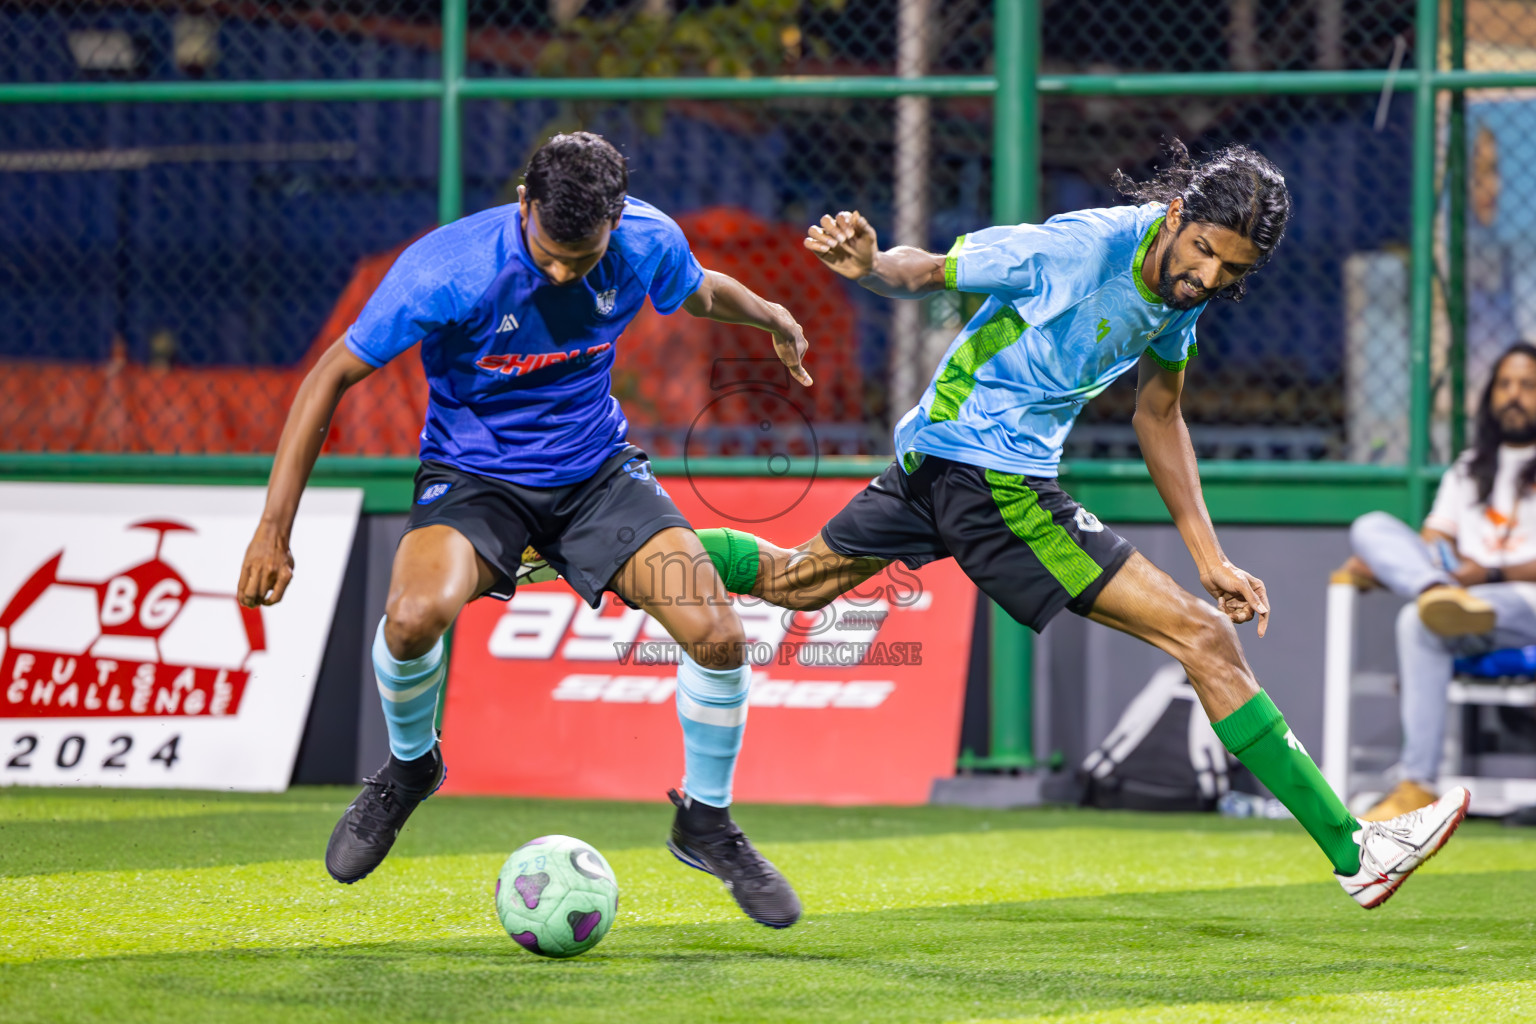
1471	570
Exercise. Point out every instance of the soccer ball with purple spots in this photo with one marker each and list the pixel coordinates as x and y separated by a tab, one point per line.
556	896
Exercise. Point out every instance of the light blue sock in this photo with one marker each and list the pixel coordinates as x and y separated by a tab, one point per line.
712	707
408	691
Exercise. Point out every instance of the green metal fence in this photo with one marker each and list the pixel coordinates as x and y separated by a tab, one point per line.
1436	145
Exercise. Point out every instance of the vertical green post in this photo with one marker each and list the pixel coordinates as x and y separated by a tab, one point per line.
1016	111
450	161
1015	193
450	184
1422	281
1456	232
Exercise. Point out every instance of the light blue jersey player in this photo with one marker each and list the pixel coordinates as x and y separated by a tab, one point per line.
1072	304
518	311
1067	312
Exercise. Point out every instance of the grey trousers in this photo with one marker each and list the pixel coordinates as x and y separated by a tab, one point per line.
1406	565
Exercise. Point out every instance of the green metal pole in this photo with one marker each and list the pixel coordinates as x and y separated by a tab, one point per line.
1456	233
1015	193
450	163
1233	83
1423	253
1016	111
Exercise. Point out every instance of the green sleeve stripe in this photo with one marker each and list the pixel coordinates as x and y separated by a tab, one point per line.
1051	543
952	264
958	377
1170	365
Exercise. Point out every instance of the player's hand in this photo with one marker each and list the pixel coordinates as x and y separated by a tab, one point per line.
1240	595
267	568
1469	574
845	243
790	345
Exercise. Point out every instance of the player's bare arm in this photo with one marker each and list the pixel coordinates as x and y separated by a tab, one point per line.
1170	458
847	244
726	300
808	576
268	564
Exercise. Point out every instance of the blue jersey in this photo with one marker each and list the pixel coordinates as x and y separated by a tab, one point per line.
1066	313
519	369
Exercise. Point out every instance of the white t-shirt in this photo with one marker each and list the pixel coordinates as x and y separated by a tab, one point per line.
1500	533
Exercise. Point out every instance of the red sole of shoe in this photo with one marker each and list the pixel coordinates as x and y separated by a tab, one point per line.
1461	816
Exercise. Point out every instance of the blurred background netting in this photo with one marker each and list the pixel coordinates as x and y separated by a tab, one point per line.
169	270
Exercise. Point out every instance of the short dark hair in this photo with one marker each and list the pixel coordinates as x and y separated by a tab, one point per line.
579	181
1236	188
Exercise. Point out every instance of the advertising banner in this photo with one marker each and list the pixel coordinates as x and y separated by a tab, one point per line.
857	703
125	659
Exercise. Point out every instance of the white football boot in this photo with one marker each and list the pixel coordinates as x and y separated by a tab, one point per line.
1390	850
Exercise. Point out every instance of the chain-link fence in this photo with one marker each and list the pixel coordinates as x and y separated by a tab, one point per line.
168	270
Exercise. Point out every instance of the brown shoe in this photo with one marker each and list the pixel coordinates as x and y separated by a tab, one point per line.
1356	573
1405	796
1452	611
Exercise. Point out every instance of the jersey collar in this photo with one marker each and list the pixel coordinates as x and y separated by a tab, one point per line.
1141	255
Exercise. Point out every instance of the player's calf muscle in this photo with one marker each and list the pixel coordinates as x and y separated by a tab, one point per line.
1145	602
810	577
1213	657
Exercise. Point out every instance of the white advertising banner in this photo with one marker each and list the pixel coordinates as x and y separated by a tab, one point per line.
125	659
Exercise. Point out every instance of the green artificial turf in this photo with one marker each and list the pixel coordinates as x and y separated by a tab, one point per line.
172	907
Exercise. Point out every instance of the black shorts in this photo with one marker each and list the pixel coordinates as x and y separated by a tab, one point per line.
586	530
1022	540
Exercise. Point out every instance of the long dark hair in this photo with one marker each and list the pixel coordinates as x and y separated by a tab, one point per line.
1236	188
1485	448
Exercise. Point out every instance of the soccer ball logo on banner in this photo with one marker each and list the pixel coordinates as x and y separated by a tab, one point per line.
141	642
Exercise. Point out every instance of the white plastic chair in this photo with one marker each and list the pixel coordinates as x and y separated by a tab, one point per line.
1342	683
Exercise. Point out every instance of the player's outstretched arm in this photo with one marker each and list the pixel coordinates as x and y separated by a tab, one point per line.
1170	458
848	246
268	563
722	298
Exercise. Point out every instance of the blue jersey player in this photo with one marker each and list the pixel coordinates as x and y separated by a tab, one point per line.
1070	305
517	311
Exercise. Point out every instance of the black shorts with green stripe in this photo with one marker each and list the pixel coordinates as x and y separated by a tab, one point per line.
1022	540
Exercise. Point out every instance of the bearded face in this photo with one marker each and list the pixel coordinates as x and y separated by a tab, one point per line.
1512	399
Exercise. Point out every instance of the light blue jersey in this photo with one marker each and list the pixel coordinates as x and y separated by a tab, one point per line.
1066	313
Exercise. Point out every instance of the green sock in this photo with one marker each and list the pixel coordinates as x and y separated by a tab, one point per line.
735	556
1257	734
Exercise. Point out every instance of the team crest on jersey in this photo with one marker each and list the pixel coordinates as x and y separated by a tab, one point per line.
1087	522
605	301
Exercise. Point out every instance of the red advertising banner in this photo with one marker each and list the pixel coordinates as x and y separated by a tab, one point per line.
857	703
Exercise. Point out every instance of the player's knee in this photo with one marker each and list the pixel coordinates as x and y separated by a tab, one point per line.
413	623
720	642
1209	640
